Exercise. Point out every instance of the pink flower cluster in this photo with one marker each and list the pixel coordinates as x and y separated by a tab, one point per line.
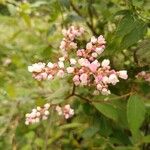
93	48
144	75
40	113
68	41
84	67
65	111
98	75
41	71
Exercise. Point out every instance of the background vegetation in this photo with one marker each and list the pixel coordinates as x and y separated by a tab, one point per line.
30	31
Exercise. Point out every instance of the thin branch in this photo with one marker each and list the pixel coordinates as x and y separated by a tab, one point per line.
72	93
116	98
90	12
135	57
98	101
73	89
81	97
81	15
69	96
123	96
103	101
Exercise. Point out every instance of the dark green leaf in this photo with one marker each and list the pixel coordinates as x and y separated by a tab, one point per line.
135	113
125	26
89	132
135	35
108	110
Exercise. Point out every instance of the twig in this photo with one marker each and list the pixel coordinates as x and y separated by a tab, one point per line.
80	14
72	93
123	96
117	98
73	89
90	12
98	101
81	97
104	101
135	57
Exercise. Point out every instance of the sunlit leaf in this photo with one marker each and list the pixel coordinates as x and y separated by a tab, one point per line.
108	110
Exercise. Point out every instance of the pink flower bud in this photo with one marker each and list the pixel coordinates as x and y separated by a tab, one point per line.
72	61
93	67
46	112
89	46
64	32
37	67
60	73
70	69
93	39
83	62
94	55
83	78
105	91
105	63
76	78
113	79
79	53
99	87
68	111
73	45
101	40
105	80
123	74
50	65
61	64
99	50
47	106
96	92
62	59
50	77
59	110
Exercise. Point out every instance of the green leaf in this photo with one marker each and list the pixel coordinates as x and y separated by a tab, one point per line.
105	126
125	26
135	35
26	19
12	9
47	52
30	135
137	3
89	132
135	113
146	139
108	110
39	142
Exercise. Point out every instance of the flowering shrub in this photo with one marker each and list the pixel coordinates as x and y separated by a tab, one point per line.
85	69
90	86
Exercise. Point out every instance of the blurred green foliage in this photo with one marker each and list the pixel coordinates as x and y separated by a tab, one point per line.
30	32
